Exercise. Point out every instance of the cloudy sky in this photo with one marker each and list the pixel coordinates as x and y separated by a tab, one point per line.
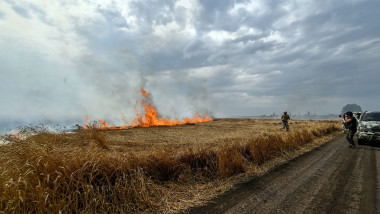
62	60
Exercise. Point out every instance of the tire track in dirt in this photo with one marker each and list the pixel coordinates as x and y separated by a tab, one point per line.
338	194
330	179
369	184
292	186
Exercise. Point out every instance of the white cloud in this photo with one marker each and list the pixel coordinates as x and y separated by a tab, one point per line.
219	36
205	72
54	38
254	7
277	37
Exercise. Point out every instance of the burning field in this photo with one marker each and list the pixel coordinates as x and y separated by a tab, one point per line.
145	116
151	164
159	169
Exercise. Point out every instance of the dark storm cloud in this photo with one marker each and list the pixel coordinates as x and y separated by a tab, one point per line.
314	60
160	12
213	15
249	38
114	17
21	11
246	57
321	50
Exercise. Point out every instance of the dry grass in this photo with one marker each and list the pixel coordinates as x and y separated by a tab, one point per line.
145	170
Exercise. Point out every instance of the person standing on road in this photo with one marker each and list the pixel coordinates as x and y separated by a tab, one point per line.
284	118
350	123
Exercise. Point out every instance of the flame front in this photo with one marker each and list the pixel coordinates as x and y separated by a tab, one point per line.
150	118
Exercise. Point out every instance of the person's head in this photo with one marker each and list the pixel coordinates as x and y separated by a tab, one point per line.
349	114
285	112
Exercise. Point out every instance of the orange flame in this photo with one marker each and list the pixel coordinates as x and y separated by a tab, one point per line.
16	134
85	124
150	118
143	92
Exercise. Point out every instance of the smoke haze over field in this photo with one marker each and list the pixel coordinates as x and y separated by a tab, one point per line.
61	61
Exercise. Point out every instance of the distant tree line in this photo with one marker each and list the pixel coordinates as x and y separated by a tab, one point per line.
351	107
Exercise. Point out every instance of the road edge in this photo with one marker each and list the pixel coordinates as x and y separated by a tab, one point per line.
230	195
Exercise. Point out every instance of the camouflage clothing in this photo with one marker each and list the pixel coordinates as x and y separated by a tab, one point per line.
352	129
284	119
350	136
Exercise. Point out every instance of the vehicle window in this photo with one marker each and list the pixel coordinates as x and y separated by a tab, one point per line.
371	117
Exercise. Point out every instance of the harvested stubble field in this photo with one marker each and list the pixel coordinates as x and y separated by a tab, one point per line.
146	170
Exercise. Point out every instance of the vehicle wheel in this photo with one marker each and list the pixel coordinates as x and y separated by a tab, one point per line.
360	141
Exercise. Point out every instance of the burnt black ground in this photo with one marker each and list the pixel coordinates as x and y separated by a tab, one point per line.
330	179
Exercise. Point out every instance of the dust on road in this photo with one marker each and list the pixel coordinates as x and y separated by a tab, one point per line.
331	179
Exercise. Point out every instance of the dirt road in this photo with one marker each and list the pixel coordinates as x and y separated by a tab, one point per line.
331	179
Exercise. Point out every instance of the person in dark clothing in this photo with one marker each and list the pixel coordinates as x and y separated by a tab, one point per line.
350	123
284	119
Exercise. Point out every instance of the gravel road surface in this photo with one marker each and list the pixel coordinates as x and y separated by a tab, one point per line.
330	179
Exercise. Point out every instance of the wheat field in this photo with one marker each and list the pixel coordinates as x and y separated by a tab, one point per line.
165	169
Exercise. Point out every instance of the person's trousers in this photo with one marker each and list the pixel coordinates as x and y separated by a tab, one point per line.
285	125
350	136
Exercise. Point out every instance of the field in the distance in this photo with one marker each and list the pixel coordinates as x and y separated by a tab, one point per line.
147	170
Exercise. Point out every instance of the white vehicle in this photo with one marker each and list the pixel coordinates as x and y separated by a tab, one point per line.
369	127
